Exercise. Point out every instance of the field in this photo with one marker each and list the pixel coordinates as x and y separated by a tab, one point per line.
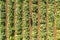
15	20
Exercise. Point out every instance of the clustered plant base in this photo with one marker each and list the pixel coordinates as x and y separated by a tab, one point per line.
25	22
